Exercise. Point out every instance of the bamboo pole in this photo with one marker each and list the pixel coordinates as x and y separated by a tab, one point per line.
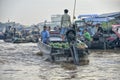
74	10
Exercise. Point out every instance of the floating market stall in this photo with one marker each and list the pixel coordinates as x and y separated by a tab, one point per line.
76	50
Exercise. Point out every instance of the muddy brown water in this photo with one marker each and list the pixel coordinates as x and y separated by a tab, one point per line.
20	62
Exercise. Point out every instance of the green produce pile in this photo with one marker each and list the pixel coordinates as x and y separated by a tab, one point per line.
59	45
65	45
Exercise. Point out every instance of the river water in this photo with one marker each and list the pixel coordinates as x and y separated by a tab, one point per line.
20	62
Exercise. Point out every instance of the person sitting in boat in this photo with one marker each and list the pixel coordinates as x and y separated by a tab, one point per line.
99	32
100	29
87	35
80	34
45	35
65	23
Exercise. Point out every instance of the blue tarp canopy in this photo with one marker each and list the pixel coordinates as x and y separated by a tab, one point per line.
99	19
88	15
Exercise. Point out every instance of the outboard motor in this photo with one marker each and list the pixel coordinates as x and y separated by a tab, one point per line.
71	38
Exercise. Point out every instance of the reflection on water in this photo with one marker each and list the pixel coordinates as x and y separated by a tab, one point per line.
20	62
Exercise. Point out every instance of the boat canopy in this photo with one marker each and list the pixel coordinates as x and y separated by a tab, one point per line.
100	19
87	15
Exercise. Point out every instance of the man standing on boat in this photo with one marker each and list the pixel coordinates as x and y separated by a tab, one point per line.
45	35
65	23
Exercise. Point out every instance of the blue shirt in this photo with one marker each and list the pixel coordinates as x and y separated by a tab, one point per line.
81	30
45	36
89	28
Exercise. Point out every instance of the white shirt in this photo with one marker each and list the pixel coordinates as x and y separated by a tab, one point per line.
65	21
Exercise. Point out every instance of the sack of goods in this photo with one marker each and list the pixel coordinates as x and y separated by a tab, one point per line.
81	45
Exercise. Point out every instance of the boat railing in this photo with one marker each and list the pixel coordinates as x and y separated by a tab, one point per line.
46	49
